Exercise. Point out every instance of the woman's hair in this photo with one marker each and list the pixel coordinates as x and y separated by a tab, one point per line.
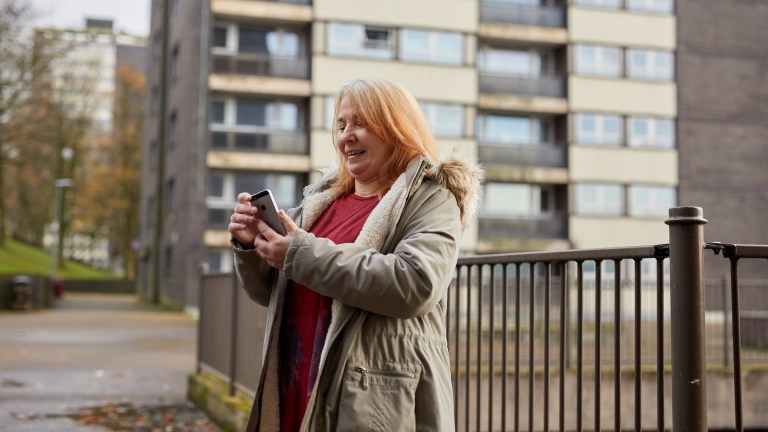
391	113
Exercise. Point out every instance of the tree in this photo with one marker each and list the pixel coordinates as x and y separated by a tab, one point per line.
18	67
112	193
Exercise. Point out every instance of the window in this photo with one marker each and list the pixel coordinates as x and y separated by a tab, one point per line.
220	37
599	199
172	125
430	46
655	6
598	60
651	132
360	41
330	107
649	64
223	188
174	63
598	129
445	120
169	198
605	4
650	201
496	129
217	111
275	115
213	261
510	62
281	44
517	200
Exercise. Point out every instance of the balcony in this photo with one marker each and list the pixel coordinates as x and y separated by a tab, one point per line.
226	62
531	85
537	155
540	16
545	226
245	139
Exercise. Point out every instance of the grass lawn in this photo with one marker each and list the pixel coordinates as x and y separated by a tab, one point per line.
19	258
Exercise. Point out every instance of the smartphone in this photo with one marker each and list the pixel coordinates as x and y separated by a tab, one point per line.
265	202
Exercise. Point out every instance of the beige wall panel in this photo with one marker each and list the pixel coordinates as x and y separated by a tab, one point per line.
216	238
623	165
616	232
258	85
621	28
432	83
441	14
622	96
321	150
526	104
257	161
262	10
318	37
522	33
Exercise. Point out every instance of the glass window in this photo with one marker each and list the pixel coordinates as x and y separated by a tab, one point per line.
598	60
220	37
252	41
213	261
651	132
510	62
605	4
330	106
598	129
216	185
283	44
359	40
599	199
517	199
430	46
649	64
444	119
275	115
495	129
656	6
650	201
174	62
217	112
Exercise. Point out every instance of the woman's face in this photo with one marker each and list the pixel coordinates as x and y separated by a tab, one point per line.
363	152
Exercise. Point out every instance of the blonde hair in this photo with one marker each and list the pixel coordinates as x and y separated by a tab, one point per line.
391	113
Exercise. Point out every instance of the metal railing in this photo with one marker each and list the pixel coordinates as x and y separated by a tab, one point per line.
538	154
535	85
545	16
547	340
225	62
554	226
257	139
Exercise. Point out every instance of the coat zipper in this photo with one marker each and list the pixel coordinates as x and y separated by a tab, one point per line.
365	372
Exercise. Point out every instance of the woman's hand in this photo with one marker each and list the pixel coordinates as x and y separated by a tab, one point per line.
242	223
272	246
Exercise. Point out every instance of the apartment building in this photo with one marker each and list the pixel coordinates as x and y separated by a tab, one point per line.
571	107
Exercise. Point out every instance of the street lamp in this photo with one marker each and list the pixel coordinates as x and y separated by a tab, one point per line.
58	245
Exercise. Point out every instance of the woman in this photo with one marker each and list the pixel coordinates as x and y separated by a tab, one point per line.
356	290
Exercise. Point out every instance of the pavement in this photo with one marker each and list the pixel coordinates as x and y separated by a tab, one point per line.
92	357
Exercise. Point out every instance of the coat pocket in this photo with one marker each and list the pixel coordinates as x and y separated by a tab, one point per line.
378	397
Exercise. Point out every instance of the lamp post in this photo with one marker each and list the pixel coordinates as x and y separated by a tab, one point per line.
58	245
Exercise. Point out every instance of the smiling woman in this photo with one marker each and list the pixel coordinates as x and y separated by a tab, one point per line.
357	287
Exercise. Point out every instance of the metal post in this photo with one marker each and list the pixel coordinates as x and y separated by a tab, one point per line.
689	396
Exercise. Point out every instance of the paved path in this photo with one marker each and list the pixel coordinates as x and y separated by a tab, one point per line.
92	350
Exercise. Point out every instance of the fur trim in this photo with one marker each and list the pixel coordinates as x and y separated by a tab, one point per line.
463	177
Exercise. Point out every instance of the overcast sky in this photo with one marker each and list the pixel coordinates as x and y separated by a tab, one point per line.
130	16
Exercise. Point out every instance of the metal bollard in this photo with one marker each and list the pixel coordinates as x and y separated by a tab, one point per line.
689	395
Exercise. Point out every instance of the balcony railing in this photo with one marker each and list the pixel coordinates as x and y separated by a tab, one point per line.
241	139
551	227
530	155
541	341
541	16
225	62
539	85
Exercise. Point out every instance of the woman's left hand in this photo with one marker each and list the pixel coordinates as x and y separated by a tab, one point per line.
272	246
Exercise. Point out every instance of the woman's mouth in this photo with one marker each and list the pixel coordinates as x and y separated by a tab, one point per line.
354	153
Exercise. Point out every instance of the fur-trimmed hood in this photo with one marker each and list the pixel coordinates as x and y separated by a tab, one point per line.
457	172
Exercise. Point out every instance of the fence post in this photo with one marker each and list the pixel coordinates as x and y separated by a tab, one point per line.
689	395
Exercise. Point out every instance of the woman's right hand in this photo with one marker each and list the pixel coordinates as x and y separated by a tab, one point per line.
242	223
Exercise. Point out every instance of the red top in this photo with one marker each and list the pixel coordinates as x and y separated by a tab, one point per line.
307	314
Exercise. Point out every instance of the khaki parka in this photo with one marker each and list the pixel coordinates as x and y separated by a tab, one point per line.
384	365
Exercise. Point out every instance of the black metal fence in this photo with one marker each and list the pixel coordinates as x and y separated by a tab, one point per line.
567	340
